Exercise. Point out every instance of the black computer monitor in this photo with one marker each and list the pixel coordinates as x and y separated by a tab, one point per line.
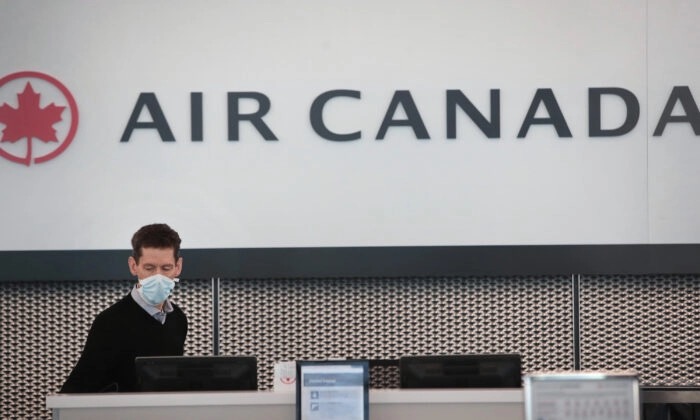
461	371
197	373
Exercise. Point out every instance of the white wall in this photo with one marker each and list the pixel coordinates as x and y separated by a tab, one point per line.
303	190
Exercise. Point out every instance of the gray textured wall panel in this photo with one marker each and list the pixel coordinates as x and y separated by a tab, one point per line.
281	319
647	323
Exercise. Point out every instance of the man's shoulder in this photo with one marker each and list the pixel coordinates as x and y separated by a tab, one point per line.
118	308
177	310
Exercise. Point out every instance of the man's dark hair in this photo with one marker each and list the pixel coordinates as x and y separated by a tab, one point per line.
157	235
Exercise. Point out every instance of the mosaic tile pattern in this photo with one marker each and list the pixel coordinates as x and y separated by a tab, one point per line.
650	324
278	319
647	323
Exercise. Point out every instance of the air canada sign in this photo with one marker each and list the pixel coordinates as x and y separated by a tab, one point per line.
456	103
39	116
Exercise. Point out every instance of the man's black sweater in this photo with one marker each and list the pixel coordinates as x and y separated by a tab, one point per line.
118	335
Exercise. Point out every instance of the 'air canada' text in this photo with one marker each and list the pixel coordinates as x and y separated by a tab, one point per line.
456	104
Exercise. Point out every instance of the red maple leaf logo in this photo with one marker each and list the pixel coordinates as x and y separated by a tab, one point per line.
29	120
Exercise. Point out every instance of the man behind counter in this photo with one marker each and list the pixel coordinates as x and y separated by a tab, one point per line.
143	323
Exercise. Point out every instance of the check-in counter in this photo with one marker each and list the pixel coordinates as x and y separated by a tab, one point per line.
389	404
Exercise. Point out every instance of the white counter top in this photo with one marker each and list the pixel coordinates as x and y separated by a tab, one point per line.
378	396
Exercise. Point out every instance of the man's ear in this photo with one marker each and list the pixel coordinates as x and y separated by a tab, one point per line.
178	267
132	266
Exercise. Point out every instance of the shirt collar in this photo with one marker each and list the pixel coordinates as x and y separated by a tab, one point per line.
152	310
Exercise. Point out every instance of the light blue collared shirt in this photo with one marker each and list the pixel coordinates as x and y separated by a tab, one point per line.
152	310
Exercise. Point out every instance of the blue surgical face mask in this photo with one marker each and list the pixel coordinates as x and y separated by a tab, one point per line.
155	289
